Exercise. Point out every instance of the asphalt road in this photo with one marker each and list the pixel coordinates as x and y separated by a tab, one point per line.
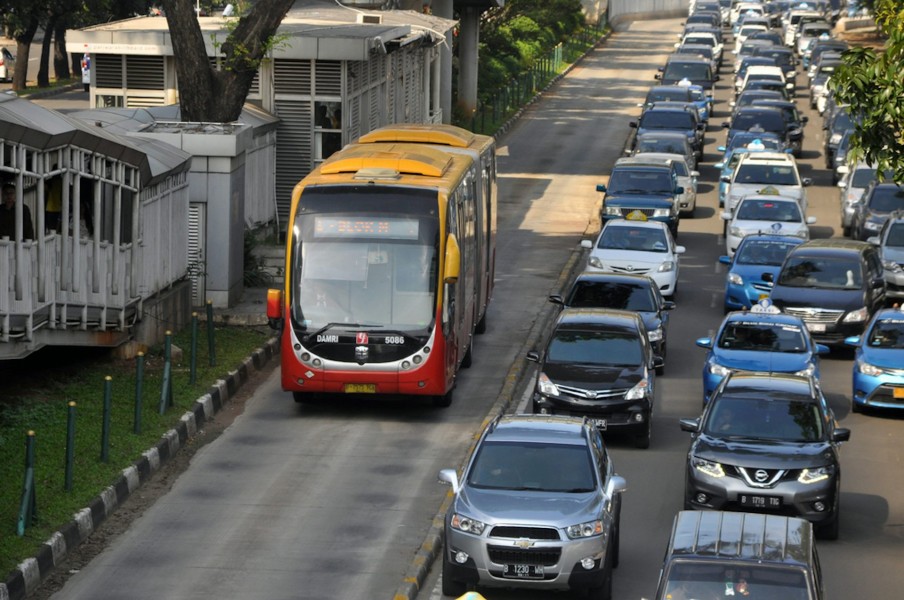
334	500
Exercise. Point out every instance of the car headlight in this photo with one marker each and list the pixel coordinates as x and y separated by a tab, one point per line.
854	316
735	279
655	335
594	261
546	387
467	524
639	391
808	371
802	233
816	475
836	137
892	266
735	231
613	211
585	530
666	266
717	369
661	212
708	467
871	225
868	369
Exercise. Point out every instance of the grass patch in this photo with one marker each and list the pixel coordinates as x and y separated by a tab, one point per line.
42	407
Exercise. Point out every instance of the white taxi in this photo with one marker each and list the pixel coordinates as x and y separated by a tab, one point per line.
637	246
757	171
765	213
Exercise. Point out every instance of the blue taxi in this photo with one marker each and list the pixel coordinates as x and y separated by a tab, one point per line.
878	379
761	339
747	142
747	282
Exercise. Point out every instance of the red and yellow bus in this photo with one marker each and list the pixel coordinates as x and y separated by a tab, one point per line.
389	265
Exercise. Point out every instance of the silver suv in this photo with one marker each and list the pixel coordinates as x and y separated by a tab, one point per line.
538	506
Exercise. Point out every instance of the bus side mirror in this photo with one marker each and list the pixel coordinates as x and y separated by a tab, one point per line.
275	309
452	266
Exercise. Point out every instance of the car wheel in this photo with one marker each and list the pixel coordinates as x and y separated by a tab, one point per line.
616	540
443	401
661	370
451	587
829	530
468	358
604	591
642	440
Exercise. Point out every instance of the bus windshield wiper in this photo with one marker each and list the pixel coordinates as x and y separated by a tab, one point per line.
329	326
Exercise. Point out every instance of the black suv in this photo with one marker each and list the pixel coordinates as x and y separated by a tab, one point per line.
767	442
759	119
623	291
834	285
537	506
599	363
673	116
697	70
878	201
793	120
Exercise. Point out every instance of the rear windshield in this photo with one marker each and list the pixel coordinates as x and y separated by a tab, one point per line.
687	70
763	337
766	120
767	210
821	273
886	199
671	119
658	144
631	181
763	253
609	294
769	174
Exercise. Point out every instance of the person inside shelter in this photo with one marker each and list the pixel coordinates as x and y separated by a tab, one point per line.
8	215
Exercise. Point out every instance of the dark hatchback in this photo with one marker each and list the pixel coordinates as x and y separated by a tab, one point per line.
697	70
767	442
879	200
759	119
834	285
621	291
598	363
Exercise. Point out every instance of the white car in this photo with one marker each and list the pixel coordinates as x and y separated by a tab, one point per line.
759	170
764	72
634	245
687	178
765	213
7	65
852	182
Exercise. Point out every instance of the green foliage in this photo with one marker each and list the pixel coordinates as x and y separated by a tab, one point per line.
870	82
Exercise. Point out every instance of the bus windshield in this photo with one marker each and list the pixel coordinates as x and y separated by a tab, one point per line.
370	269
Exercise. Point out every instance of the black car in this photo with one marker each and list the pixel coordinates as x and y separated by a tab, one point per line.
750	96
621	291
695	69
793	119
878	201
767	442
783	57
834	285
673	116
598	363
759	119
835	126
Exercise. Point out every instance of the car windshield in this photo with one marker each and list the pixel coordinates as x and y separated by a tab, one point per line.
770	120
610	294
752	209
713	579
747	416
595	348
862	177
630	238
887	333
768	174
687	70
821	272
759	336
763	253
533	466
667	94
658	144
886	199
895	237
640	181
769	142
667	119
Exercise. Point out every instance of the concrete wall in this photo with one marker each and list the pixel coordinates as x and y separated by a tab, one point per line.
622	12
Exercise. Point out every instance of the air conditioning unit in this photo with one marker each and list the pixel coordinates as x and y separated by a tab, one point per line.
370	19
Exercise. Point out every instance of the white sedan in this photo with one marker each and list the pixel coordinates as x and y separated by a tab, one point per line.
763	214
635	245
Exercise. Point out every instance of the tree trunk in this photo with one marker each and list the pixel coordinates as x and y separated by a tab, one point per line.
23	46
60	57
206	94
44	63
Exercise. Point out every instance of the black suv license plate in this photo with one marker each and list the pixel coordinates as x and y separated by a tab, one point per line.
523	571
600	424
760	501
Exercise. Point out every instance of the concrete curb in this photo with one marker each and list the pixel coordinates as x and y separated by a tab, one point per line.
25	579
515	379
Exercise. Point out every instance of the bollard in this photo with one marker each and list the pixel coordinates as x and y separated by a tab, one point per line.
70	445
193	372
105	430
28	509
211	348
139	383
166	388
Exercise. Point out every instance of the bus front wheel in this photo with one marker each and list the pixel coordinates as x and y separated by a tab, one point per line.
444	401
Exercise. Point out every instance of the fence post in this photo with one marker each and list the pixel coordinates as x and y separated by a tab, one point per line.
139	384
211	349
28	509
193	372
105	430
70	445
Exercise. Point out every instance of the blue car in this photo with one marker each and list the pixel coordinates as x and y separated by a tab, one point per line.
741	143
879	362
755	256
762	339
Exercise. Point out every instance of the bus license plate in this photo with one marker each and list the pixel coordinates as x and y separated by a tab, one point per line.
760	501
599	423
523	571
816	327
360	388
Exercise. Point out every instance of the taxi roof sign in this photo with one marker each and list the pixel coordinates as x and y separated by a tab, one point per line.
765	307
756	144
636	215
769	191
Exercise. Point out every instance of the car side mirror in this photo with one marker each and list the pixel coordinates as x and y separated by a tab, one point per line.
657	76
805	119
806	182
557	299
601	187
689	425
450	476
822	349
586	244
658	362
533	356
616	485
811	220
725	216
695	173
725	178
853	340
725	260
874	240
668	305
680	249
841	434
632	124
726	125
704	342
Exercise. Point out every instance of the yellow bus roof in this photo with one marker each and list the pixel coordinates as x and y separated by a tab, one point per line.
389	158
447	135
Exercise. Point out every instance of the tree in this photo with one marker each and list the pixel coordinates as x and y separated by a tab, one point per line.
870	82
209	94
22	19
